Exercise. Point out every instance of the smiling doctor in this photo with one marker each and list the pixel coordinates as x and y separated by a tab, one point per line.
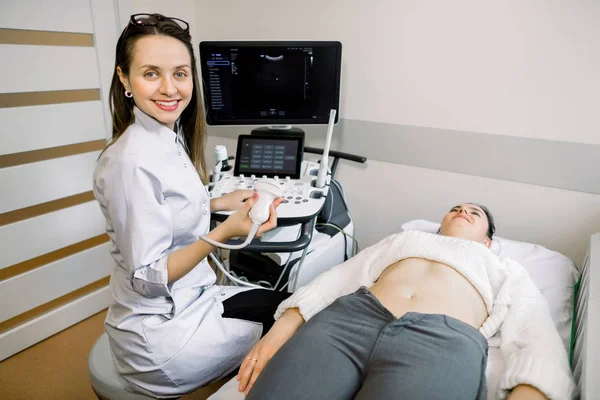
171	328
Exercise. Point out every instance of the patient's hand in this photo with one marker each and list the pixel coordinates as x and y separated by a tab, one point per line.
283	329
525	392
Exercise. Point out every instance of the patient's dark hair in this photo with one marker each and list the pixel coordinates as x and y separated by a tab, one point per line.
491	224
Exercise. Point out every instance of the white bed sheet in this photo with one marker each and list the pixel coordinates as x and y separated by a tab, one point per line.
553	273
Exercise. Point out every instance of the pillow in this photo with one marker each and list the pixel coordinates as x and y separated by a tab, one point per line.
553	273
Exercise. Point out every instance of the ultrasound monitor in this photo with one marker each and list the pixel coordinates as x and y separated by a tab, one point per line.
270	82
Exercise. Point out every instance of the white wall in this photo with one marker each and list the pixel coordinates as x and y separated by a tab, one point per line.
518	68
524	69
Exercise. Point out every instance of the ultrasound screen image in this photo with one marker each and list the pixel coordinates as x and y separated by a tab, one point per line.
273	84
256	84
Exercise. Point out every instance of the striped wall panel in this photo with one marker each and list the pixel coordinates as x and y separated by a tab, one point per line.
53	124
47	324
63	16
30	184
49	68
50	232
49	282
19	132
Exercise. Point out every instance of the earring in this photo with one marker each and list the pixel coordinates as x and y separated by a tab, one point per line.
128	94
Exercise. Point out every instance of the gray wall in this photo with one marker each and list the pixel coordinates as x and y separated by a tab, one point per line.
564	165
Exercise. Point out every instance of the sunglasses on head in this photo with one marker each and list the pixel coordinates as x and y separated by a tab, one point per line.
155	19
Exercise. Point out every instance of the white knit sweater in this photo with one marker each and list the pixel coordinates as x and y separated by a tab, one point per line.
529	341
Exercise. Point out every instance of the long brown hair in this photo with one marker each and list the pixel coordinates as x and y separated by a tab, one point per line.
192	120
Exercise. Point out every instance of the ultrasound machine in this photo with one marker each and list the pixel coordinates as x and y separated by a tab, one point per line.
280	85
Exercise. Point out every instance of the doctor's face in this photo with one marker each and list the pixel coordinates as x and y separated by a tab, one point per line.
467	221
160	78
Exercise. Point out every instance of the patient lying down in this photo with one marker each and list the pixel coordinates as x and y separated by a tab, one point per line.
410	317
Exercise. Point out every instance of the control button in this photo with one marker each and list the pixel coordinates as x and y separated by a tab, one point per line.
204	201
249	187
264	177
298	198
143	272
205	213
184	165
178	153
296	202
286	201
298	184
242	176
253	176
287	179
228	177
276	177
290	197
305	201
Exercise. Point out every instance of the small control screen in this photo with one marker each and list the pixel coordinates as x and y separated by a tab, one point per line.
269	155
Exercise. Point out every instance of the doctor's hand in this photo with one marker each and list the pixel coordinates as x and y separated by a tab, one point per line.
231	201
239	223
253	364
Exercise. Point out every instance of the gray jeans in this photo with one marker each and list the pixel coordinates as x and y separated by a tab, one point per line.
356	348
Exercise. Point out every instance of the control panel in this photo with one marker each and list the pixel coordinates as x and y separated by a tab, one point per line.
302	200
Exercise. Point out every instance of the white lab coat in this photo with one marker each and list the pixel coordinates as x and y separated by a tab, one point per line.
166	339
